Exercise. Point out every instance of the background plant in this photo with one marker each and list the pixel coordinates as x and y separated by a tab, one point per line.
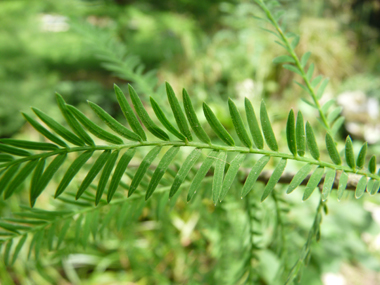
234	247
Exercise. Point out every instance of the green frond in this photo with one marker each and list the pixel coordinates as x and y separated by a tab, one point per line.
107	169
267	128
217	182
18	164
238	124
188	164
217	126
128	113
312	142
144	116
164	121
74	125
291	133
178	113
58	128
253	124
349	153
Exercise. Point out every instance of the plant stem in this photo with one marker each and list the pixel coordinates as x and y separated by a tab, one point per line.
297	63
237	149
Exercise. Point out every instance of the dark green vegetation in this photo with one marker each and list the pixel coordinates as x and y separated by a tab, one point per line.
158	186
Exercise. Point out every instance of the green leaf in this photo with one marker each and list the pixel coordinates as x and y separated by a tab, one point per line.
85	231
13	150
283	59
310	71
35	178
5	157
108	217
254	174
300	135
217	182
128	113
36	244
372	164
299	177
302	86
349	152
58	128
95	223
20	178
278	14
95	169
113	124
9	227
106	175
50	236
72	171
291	133
311	142
18	248
162	118
337	125
48	174
311	104
75	126
202	171
305	58
275	177
361	156
62	233
328	183
119	171
316	81
322	88
295	42
182	173
217	126
375	187
342	184
231	174
7	176
370	184
360	187
39	128
292	68
332	150
280	44
78	229
253	124
238	124
334	114
327	105
147	161
160	170
192	118
269	31
93	128
29	144
267	128
7	252
144	117
314	180
178	113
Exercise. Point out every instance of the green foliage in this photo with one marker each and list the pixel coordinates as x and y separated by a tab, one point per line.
108	158
95	181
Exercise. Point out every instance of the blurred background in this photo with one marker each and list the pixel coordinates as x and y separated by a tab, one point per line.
215	49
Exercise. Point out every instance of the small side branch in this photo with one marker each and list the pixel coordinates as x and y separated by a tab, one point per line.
287	177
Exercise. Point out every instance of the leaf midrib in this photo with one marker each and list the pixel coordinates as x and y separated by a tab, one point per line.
238	149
